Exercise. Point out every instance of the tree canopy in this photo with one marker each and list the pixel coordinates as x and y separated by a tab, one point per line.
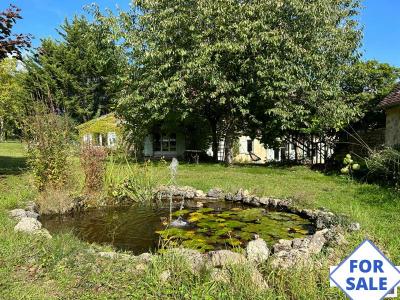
81	73
12	97
264	67
11	44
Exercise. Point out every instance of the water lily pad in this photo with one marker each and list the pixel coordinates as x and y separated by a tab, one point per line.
205	210
223	231
249	215
233	242
180	212
235	224
198	244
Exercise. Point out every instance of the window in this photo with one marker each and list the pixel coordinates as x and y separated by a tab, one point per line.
164	142
87	138
276	154
112	139
249	146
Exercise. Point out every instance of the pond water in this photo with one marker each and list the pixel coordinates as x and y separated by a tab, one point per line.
216	225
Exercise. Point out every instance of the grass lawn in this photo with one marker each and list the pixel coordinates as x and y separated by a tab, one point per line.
35	268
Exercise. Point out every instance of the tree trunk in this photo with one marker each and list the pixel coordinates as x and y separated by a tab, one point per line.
2	134
228	145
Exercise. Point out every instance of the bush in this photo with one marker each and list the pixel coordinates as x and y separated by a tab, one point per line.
139	183
384	166
47	136
93	161
55	200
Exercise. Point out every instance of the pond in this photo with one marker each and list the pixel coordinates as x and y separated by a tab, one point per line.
216	225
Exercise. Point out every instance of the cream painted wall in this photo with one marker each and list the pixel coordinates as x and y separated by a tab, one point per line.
392	133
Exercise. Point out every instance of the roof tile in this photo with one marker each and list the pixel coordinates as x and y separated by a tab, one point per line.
392	99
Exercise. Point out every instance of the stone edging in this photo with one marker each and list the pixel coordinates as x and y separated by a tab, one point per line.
283	254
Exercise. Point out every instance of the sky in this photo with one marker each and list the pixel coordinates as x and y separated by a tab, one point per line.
380	19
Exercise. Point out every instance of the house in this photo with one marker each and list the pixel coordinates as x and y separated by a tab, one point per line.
103	131
391	105
182	142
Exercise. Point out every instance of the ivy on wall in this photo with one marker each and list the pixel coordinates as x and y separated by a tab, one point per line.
102	125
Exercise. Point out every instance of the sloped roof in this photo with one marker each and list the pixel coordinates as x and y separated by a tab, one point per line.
392	99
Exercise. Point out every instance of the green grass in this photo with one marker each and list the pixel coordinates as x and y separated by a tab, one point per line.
63	268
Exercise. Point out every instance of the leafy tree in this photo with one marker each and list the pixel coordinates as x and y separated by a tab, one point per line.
11	97
241	65
81	74
367	84
11	44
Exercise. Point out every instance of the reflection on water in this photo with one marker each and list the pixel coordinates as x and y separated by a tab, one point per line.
216	224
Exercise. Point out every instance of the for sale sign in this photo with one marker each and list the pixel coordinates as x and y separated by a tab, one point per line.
366	274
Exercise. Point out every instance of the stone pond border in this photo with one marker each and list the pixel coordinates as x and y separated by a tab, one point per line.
284	254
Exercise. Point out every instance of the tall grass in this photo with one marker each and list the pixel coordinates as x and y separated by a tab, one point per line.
129	182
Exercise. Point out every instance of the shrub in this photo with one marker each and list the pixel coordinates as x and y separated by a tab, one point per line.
384	166
93	161
55	200
139	183
47	136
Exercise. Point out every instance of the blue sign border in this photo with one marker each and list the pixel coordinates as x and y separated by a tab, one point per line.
348	257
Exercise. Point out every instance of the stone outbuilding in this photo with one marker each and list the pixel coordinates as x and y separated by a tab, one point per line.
391	105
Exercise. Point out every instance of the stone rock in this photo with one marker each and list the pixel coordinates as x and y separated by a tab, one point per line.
282	245
43	232
354	227
229	197
283	202
32	207
199	204
144	257
324	219
241	196
18	213
264	201
274	202
309	213
110	254
257	251
28	225
186	192
223	258
165	276
140	267
335	236
200	194
287	259
317	241
194	258
220	275
215	193
255	201
297	243
31	214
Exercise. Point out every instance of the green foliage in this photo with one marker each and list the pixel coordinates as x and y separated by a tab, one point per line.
103	125
366	84
384	166
259	64
12	98
61	266
48	137
137	185
93	162
11	44
349	166
82	71
212	229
